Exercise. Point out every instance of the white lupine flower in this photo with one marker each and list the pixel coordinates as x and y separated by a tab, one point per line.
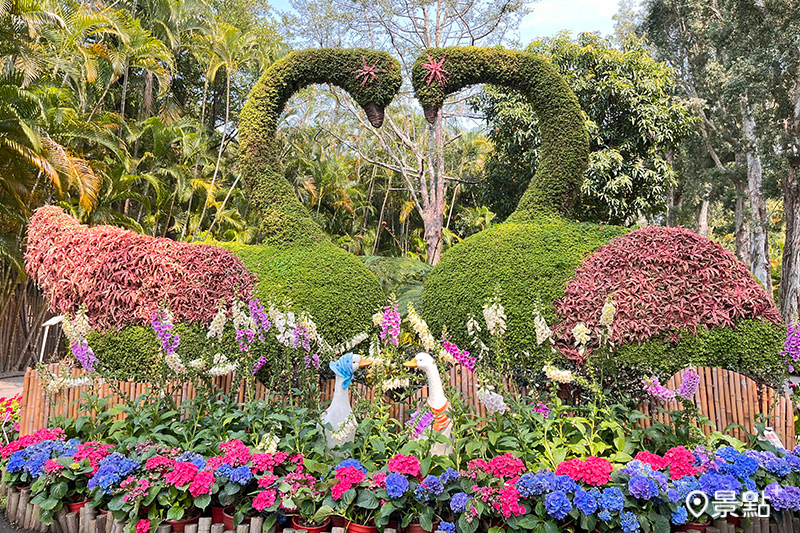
543	331
197	364
217	324
558	375
607	314
76	328
241	318
307	321
493	402
377	318
268	444
420	327
495	316
174	363
397	383
347	427
472	326
446	357
581	333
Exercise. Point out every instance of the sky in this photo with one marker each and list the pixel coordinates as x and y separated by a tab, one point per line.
551	16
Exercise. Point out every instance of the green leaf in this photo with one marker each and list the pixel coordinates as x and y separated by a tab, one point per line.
367	500
322	513
50	503
551	527
202	501
175	512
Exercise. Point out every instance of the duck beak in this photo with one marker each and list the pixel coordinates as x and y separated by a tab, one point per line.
411	364
364	362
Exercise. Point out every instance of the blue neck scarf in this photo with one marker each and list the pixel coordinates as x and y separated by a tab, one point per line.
343	368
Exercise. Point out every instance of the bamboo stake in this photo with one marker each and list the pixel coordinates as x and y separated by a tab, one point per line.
22	506
11	506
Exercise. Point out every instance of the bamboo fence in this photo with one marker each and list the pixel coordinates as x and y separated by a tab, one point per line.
723	396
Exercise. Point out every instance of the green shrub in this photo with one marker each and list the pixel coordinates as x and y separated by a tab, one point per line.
329	283
528	263
752	347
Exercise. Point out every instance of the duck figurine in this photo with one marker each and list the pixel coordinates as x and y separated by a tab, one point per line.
437	401
339	415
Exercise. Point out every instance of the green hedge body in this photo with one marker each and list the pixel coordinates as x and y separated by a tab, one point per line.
283	218
564	153
528	263
329	283
752	347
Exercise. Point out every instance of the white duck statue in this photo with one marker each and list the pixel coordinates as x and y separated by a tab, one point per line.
437	401
339	415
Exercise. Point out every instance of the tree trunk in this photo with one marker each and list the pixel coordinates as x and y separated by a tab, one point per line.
789	292
434	215
701	218
742	225
759	247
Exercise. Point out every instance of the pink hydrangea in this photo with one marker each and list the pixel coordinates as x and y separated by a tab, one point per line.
267	481
135	488
378	480
347	477
52	466
202	483
507	501
264	499
182	474
404	464
506	466
236	453
27	440
94	452
656	462
681	462
143	526
214	462
478	465
159	463
594	471
571	468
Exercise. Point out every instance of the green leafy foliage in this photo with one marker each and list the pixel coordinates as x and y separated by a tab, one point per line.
530	264
401	276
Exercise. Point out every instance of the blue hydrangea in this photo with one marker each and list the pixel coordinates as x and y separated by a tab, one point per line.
225	470
564	484
430	487
643	488
530	485
673	495
111	471
711	483
629	522
685	485
728	453
16	461
793	461
680	516
557	504
449	476
782	498
241	475
604	515
396	485
191	457
458	503
777	466
612	499
636	468
447	527
351	462
585	502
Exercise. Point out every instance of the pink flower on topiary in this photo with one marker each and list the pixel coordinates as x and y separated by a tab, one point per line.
182	474
436	71
506	466
202	483
264	499
404	464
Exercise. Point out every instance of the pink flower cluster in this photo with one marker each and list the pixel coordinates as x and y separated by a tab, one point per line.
27	440
143	526
404	464
507	501
679	460
346	477
236	453
390	325
656	462
507	465
462	356
94	452
202	483
51	466
181	474
134	488
159	464
594	471
264	499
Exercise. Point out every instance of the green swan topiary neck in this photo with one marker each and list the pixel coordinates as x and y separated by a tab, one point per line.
564	153
283	219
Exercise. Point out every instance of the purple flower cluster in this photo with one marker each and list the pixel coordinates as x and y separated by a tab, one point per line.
245	338
390	325
163	328
112	470
658	391
259	317
300	337
312	360
458	503
783	498
419	422
257	366
791	348
689	384
84	354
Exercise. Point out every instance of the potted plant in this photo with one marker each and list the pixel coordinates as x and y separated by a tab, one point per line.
353	496
64	482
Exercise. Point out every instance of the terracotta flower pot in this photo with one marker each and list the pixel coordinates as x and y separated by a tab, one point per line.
179	525
297	524
352	527
417	528
75	507
227	518
337	521
693	525
217	515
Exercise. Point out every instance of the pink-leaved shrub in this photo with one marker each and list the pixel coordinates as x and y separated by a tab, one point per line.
661	280
122	276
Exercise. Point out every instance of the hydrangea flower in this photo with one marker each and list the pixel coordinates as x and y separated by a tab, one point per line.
111	471
352	463
458	503
557	504
629	522
585	502
396	484
612	499
642	488
680	516
530	485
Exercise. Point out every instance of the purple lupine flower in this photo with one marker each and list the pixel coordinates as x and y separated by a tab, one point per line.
312	360
690	383
261	362
245	338
163	328
419	423
390	325
84	354
791	348
259	317
658	391
300	337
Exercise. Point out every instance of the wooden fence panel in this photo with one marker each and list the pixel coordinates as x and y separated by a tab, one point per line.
723	396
